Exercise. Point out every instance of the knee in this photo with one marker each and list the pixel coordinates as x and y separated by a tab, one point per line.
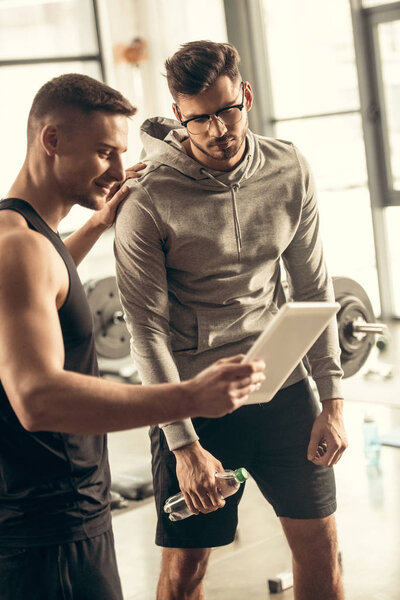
186	570
322	552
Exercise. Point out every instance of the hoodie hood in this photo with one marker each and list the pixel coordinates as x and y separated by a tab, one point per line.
162	139
162	144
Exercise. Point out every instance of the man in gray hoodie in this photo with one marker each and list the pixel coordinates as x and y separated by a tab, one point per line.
199	246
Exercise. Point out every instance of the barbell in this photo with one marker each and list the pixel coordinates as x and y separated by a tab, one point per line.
112	338
356	322
357	326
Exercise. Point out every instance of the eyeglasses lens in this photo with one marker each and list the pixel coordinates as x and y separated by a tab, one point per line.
228	117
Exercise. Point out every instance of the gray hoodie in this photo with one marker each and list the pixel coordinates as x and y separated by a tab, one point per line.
199	256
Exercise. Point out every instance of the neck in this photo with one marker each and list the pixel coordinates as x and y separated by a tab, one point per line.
33	186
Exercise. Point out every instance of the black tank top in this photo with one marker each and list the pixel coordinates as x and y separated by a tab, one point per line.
54	486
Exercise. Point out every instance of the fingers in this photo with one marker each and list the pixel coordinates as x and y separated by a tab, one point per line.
244	385
255	364
325	451
236	370
191	502
216	500
231	359
117	195
134	172
255	378
114	188
204	500
312	450
240	396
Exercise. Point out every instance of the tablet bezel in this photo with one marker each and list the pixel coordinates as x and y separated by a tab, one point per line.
318	316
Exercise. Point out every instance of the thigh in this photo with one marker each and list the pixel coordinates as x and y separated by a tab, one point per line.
30	573
294	486
83	570
312	540
201	531
88	569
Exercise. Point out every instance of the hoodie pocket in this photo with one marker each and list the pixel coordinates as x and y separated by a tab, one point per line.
220	326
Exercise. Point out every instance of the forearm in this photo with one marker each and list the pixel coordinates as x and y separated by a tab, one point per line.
72	403
142	282
155	363
310	282
81	241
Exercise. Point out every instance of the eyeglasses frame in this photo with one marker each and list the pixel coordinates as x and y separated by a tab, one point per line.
218	112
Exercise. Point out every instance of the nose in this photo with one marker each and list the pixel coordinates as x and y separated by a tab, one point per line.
116	169
217	126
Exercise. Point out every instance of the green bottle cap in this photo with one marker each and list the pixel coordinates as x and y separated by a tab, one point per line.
241	474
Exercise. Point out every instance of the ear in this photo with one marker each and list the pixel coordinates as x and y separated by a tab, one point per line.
49	138
176	111
248	96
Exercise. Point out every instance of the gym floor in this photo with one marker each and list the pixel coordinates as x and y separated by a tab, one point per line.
368	515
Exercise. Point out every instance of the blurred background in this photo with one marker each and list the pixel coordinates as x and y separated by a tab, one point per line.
326	75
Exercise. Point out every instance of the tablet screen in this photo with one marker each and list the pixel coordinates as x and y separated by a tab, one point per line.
286	340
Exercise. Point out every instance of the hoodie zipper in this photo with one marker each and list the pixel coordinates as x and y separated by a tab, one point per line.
233	189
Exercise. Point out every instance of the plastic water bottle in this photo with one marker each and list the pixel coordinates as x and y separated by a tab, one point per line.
228	482
372	444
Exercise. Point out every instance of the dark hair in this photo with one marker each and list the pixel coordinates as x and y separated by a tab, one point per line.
77	91
197	65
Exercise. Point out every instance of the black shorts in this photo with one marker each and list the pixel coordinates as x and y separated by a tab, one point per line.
83	570
271	441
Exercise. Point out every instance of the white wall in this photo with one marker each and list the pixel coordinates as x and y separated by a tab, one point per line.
164	25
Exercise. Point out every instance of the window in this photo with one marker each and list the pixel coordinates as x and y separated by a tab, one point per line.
40	39
48	28
316	105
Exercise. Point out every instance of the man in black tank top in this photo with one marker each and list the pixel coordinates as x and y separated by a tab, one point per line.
55	526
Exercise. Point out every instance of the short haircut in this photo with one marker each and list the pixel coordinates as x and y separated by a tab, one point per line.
76	91
197	65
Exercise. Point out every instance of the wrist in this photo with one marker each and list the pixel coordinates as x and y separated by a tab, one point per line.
332	405
188	390
186	450
97	225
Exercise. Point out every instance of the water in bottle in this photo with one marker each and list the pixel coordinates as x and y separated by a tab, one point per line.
372	444
228	482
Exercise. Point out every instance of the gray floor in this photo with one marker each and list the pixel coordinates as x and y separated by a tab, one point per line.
368	516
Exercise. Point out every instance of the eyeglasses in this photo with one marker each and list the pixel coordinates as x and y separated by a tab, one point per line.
228	116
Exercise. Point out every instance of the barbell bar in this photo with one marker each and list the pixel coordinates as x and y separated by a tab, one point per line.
356	322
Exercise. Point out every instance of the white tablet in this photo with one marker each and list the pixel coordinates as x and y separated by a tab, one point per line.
286	340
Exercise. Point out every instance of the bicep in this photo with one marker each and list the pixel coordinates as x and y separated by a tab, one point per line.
142	281
31	344
304	257
140	262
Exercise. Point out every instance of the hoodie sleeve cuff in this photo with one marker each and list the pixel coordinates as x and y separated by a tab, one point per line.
179	434
329	387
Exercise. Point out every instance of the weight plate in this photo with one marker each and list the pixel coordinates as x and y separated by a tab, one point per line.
112	339
355	304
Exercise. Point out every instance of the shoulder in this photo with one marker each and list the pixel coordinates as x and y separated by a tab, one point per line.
153	178
143	204
29	260
276	146
285	154
19	243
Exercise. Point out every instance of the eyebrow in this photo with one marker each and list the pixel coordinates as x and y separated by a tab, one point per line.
191	116
109	146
